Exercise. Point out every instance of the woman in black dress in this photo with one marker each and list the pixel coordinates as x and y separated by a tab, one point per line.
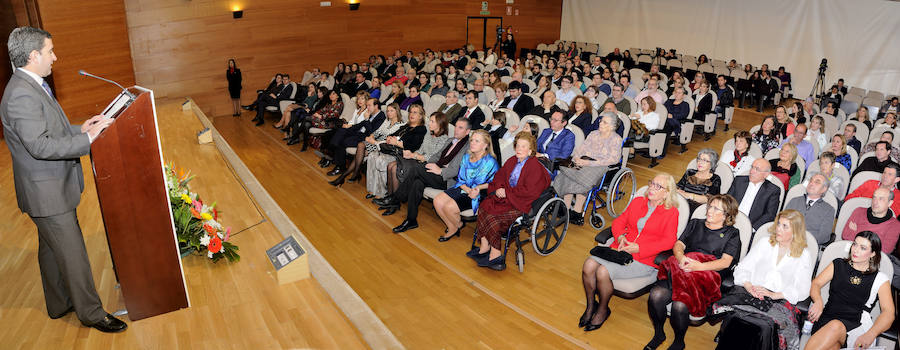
233	74
855	281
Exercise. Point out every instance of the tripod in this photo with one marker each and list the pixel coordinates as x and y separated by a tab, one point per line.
818	89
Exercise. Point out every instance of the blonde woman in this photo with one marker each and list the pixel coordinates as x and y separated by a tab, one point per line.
839	147
776	276
785	166
639	231
476	171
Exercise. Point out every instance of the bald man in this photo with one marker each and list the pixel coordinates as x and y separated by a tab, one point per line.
758	198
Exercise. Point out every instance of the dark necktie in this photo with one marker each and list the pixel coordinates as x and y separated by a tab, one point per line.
47	88
809	203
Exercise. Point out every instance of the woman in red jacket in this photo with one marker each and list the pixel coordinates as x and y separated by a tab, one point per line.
519	182
647	227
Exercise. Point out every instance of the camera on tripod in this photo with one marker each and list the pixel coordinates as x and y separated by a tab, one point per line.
823	66
499	32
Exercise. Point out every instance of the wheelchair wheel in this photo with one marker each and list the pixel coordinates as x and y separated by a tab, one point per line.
549	227
620	191
520	260
597	221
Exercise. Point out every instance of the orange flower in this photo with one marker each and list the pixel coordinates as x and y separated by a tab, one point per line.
215	214
215	244
195	213
210	229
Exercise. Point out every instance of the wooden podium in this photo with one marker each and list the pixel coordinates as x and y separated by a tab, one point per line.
134	202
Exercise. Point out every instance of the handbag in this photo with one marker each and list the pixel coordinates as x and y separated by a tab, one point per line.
391	150
612	255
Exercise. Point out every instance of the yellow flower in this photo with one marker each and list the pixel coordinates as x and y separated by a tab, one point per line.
186	198
206	216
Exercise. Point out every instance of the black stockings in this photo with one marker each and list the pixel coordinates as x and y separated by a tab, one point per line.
597	283
392	181
679	319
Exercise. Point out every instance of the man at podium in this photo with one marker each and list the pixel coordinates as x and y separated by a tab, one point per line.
48	178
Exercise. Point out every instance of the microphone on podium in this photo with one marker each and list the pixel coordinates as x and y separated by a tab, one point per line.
128	93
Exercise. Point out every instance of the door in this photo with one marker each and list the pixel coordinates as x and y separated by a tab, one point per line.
481	32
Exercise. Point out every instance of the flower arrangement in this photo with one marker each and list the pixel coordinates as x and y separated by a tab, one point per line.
196	224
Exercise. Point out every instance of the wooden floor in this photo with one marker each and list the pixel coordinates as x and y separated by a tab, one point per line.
234	306
429	294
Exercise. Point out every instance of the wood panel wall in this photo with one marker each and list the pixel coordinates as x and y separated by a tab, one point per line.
180	48
89	35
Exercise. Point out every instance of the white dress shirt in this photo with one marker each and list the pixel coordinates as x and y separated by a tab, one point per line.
650	120
791	276
565	96
749	197
40	82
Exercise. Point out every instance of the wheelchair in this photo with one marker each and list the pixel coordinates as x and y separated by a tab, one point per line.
546	222
619	188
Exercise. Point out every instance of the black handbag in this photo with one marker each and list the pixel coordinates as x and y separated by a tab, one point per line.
391	150
612	255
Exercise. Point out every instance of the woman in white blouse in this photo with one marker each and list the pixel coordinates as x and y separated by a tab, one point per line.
816	132
773	277
739	159
647	115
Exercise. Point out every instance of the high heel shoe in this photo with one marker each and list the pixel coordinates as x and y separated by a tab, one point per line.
369	196
353	179
591	326
447	238
337	182
585	320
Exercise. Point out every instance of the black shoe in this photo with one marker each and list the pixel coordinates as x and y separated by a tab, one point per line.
110	324
335	172
292	142
390	210
353	179
498	264
591	326
406	225
655	342
576	218
326	163
475	255
260	122
447	238
337	182
369	196
70	309
384	201
285	138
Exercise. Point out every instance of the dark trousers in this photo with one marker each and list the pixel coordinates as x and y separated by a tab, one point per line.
65	268
261	103
340	141
413	188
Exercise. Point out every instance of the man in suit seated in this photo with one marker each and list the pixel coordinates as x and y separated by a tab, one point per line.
758	197
357	85
879	162
890	176
556	142
501	68
451	106
472	112
517	76
468	75
274	86
515	101
818	213
766	89
273	99
351	134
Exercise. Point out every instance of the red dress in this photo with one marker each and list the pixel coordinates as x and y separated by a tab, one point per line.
659	232
495	214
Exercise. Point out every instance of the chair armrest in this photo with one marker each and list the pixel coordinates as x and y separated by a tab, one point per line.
603	237
663	256
803	306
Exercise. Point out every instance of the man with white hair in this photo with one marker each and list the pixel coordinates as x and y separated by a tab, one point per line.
812	205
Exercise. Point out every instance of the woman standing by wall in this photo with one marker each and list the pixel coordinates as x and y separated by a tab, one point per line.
233	74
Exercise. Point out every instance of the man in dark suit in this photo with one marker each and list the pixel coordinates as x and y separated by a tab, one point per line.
818	213
350	135
472	111
272	99
359	84
758	197
45	150
556	142
520	104
766	90
451	106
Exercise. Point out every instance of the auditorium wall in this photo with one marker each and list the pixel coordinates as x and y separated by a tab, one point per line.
180	48
858	37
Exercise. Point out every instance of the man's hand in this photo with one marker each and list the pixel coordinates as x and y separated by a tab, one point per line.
433	168
94	130
87	124
273	95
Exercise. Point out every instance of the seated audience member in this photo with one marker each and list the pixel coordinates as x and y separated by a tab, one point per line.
516	185
600	149
566	93
739	159
581	116
618	98
374	120
767	137
499	89
543	85
375	90
850	136
518	77
766	88
468	74
593	95
496	129
438	171
890	107
704	101
785	166
757	196
887	136
439	87
798	113
547	107
833	96
413	99
877	163
678	111
879	218
516	101
785	80
556	142
690	279
328	117
826	167
804	149
677	84
313	94
349	134
890	120
460	86
698	79
451	108
855	285
628	90
400	76
839	148
408	136
476	171
770	280
471	111
397	96
648	226
646	119
784	125
273	98
812	205
273	88
652	90
725	97
358	84
697	185
816	132
862	116
830	109
890	176
478	88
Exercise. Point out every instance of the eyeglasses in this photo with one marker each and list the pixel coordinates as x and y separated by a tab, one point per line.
703	160
655	186
715	209
761	170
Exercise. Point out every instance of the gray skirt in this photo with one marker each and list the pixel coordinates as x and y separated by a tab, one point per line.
633	270
578	181
376	172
